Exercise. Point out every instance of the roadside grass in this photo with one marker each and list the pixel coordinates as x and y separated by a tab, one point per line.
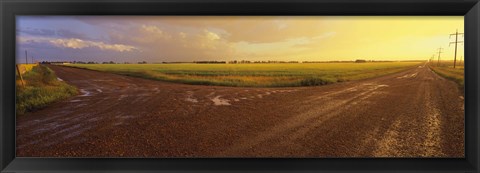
41	89
456	74
254	75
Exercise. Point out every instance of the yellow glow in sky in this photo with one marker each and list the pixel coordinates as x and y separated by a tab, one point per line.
347	38
225	38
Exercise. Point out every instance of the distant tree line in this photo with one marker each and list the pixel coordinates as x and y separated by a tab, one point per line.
259	62
210	62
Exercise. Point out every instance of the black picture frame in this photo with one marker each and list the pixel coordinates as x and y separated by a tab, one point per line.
10	8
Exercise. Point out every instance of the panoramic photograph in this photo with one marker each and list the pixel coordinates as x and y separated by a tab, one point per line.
240	86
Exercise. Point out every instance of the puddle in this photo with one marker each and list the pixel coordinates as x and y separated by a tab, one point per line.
85	93
73	101
59	79
379	86
72	128
122	97
352	89
93	119
99	90
408	76
81	105
191	100
219	101
76	133
190	97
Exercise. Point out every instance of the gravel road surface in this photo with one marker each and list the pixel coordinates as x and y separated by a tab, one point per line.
414	113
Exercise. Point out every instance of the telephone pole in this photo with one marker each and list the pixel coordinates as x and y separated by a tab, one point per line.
26	57
439	52
456	42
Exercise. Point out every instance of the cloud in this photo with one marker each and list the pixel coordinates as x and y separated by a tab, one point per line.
237	28
182	35
80	44
211	35
37	31
152	29
70	34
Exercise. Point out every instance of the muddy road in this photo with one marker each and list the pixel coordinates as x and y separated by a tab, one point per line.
414	113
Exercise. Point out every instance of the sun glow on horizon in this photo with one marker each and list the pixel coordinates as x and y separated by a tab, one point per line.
226	38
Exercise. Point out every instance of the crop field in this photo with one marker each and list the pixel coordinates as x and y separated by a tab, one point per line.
254	75
23	68
456	74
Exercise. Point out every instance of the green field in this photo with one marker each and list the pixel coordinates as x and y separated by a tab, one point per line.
254	75
41	87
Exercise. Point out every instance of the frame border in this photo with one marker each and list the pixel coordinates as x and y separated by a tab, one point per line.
10	8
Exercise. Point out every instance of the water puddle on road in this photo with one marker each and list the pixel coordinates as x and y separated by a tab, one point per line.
85	93
189	97
191	100
122	97
217	101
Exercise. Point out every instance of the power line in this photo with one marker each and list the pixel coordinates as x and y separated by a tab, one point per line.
439	52
456	42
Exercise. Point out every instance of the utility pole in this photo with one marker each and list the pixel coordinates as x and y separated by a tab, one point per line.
439	52
26	57
20	74
456	41
33	61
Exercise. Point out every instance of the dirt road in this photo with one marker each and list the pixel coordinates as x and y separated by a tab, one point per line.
414	113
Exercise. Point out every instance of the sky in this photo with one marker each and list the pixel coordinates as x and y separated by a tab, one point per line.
225	38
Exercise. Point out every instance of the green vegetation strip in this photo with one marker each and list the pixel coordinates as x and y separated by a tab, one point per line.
254	75
455	74
41	88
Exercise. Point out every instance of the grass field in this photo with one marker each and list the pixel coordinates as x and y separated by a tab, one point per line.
23	68
446	70
41	88
254	75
